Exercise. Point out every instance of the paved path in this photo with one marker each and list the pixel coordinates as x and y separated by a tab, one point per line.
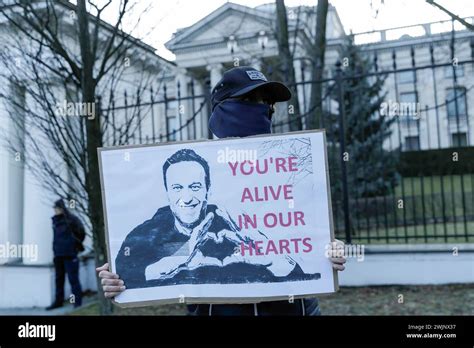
41	311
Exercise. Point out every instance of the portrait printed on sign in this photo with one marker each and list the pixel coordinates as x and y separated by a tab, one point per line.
235	219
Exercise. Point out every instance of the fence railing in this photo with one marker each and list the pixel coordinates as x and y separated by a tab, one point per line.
427	208
434	112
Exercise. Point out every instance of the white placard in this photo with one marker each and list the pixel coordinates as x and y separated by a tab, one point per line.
224	221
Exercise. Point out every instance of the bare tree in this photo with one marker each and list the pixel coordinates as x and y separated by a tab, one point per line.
58	54
451	14
286	62
318	50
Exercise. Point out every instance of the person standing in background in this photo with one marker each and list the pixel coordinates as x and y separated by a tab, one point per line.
67	242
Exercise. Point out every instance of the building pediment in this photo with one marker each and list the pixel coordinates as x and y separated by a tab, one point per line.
229	19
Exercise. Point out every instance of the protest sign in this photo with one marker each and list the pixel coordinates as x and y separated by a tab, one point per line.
236	220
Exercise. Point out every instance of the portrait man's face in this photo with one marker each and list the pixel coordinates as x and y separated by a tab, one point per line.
187	192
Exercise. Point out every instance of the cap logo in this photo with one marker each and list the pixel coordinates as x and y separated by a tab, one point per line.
256	75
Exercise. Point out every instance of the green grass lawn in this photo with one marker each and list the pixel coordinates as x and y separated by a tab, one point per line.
455	299
432	184
420	206
458	199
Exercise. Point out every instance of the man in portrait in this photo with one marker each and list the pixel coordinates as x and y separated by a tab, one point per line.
190	241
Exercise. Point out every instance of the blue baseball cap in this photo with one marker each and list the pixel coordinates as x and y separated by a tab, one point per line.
239	81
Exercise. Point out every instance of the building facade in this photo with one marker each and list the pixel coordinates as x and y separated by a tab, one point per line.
26	235
421	61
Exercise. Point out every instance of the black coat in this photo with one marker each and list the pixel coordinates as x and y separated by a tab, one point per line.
64	242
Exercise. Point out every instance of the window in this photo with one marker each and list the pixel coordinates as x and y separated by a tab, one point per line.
448	71
409	110
412	143
406	76
172	119
461	101
459	139
172	126
408	104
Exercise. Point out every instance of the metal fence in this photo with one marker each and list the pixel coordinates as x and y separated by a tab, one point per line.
419	208
149	116
423	207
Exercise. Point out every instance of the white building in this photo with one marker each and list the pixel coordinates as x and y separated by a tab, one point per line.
238	35
231	35
428	44
27	275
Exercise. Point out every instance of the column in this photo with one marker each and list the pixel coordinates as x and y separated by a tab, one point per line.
12	178
37	223
298	78
215	72
201	122
37	202
183	111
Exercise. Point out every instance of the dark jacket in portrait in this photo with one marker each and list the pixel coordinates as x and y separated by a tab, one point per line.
158	238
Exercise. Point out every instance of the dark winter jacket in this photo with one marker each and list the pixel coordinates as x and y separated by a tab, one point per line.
151	241
64	241
158	238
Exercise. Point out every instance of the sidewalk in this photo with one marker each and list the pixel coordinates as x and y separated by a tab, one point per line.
66	309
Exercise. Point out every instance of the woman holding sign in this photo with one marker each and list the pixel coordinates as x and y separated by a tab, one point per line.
243	105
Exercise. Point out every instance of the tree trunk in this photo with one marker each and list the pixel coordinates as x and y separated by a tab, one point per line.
319	50
286	62
94	141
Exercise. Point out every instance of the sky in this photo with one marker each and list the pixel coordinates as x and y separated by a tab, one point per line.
163	18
